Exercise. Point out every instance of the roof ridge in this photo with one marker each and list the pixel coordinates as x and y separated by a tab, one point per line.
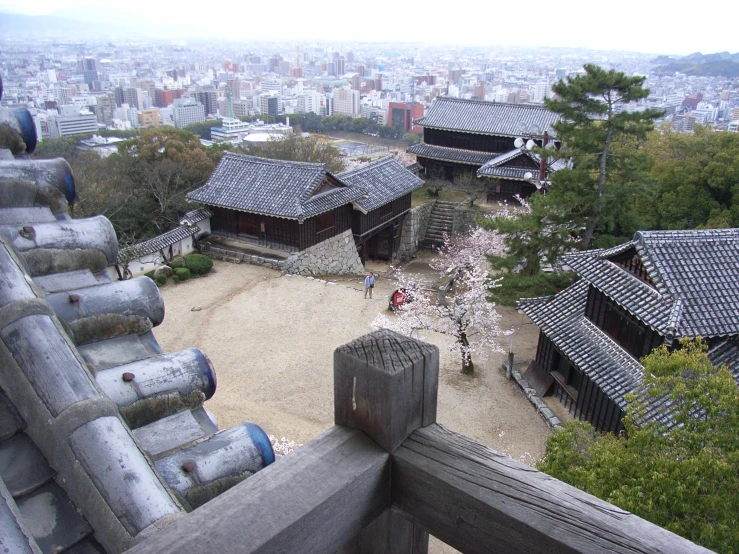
366	166
275	161
491	102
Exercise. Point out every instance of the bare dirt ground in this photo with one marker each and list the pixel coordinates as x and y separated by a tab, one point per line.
271	339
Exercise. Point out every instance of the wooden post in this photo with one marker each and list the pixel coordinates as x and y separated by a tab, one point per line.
386	385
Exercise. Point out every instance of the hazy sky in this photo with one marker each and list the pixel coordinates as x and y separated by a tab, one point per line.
635	25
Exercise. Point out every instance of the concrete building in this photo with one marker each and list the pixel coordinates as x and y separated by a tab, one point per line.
186	111
208	97
401	114
73	120
269	105
148	118
346	102
134	97
309	102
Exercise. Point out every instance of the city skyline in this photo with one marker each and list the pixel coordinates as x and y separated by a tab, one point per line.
631	26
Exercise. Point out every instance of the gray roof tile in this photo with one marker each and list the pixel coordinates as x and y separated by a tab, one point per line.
382	181
458	155
156	244
695	275
488	118
272	187
196	216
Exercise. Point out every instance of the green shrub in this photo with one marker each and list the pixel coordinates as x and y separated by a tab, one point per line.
175	279
150	275
198	264
160	279
182	273
174	264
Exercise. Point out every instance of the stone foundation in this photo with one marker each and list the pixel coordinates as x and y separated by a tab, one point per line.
464	220
335	256
414	230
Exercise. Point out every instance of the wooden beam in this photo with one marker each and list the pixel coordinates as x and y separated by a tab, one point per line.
314	500
477	500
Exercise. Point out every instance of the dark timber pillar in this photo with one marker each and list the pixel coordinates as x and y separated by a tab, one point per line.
386	385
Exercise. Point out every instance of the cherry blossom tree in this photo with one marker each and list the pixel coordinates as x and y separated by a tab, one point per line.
464	311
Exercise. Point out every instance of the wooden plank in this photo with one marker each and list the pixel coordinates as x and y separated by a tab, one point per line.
477	500
314	500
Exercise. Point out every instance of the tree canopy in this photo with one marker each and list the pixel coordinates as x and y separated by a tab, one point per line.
682	477
296	148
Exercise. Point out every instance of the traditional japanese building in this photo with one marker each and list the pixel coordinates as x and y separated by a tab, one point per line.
284	205
476	136
295	206
377	219
656	289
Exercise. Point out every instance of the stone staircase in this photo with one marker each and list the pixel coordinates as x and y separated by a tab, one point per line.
440	222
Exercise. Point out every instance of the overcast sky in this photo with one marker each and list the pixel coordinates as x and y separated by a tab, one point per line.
634	25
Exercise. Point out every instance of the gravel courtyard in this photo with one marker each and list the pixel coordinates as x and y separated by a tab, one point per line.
271	339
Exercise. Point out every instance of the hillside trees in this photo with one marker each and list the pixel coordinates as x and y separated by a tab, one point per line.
295	148
697	177
683	477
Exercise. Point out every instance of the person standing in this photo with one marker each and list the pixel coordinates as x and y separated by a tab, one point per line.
369	284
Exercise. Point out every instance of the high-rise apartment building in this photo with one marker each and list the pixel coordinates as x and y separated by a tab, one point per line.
346	102
186	111
208	97
134	97
269	104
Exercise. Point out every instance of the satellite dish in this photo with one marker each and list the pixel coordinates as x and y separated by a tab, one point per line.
530	144
528	175
518	143
550	146
538	184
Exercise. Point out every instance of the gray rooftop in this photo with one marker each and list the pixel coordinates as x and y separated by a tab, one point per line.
487	118
196	216
382	181
444	153
273	187
695	277
165	240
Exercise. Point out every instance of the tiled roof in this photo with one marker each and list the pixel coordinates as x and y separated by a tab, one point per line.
562	318
496	166
165	240
382	181
272	187
446	154
695	275
196	216
488	118
79	344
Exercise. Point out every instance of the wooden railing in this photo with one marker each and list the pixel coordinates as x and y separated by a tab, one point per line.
386	475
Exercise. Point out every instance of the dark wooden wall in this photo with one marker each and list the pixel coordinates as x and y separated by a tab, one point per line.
364	223
506	190
576	391
634	336
279	232
468	141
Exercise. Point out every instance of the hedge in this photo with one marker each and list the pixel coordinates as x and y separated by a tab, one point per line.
198	264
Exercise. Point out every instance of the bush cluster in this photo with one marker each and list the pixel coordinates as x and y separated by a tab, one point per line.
181	274
198	264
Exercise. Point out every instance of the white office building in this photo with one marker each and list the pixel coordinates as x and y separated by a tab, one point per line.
186	111
346	102
72	120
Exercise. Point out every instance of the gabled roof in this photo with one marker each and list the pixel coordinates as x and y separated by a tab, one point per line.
443	153
695	275
486	118
272	187
497	166
383	181
165	240
196	216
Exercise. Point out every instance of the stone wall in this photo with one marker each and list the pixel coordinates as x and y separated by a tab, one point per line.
335	256
414	230
464	220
